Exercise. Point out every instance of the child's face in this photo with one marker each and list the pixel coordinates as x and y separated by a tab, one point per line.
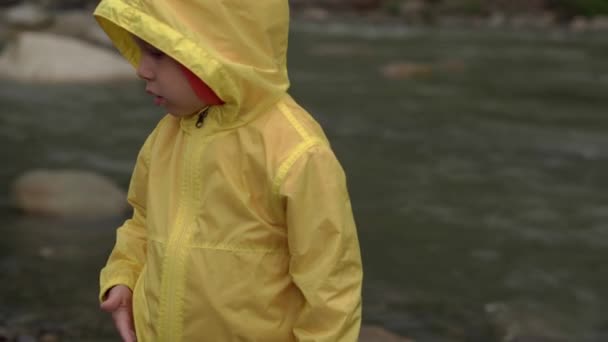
165	80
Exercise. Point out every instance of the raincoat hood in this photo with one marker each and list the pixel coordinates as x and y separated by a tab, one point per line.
236	47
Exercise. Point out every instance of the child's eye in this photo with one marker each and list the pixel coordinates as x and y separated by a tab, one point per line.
155	53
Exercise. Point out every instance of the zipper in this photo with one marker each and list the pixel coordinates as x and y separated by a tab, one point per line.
201	117
173	265
173	277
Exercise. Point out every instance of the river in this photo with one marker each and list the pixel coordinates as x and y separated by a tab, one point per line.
479	190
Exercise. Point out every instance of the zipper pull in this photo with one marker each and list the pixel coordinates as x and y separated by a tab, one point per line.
201	117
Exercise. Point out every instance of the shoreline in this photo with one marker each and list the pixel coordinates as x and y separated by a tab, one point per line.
499	21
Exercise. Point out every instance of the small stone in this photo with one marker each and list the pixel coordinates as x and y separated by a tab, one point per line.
579	24
48	337
25	338
46	252
315	14
5	334
599	23
497	20
406	70
29	16
414	11
8	3
379	334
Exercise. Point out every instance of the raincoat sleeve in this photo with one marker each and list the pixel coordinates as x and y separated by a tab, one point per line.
325	257
127	258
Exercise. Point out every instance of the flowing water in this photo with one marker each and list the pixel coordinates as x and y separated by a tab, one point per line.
479	186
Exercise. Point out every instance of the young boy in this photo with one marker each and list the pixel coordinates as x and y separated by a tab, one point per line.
242	227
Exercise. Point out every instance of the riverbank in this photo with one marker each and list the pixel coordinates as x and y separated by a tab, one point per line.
418	18
73	17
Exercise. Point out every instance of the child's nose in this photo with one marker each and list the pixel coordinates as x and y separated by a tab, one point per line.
145	70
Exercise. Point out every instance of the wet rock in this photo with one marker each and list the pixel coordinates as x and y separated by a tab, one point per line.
497	20
27	16
8	3
95	35
48	58
79	24
68	4
315	14
48	336
68	193
599	23
4	32
378	334
415	11
406	70
361	5
535	339
25	338
5	334
366	5
533	21
579	24
46	252
339	50
409	70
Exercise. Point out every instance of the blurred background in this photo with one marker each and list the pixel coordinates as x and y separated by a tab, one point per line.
474	135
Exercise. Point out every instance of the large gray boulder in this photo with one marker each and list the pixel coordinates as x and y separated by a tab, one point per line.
68	194
79	24
48	58
26	16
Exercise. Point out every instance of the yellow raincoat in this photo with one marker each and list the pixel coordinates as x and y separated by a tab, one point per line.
242	228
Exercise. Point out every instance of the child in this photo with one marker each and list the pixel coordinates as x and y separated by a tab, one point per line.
242	227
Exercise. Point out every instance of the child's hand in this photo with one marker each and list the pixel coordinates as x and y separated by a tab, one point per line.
118	303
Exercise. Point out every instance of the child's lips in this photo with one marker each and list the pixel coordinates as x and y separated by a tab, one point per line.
159	100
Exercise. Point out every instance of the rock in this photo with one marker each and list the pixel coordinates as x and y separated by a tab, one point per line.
534	339
5	334
48	337
366	5
533	21
47	58
409	70
46	252
68	193
8	3
579	24
79	24
339	50
599	23
96	35
406	70
25	338
315	14
27	16
378	334
4	32
415	11
68	4
360	5
452	66
546	20
497	20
